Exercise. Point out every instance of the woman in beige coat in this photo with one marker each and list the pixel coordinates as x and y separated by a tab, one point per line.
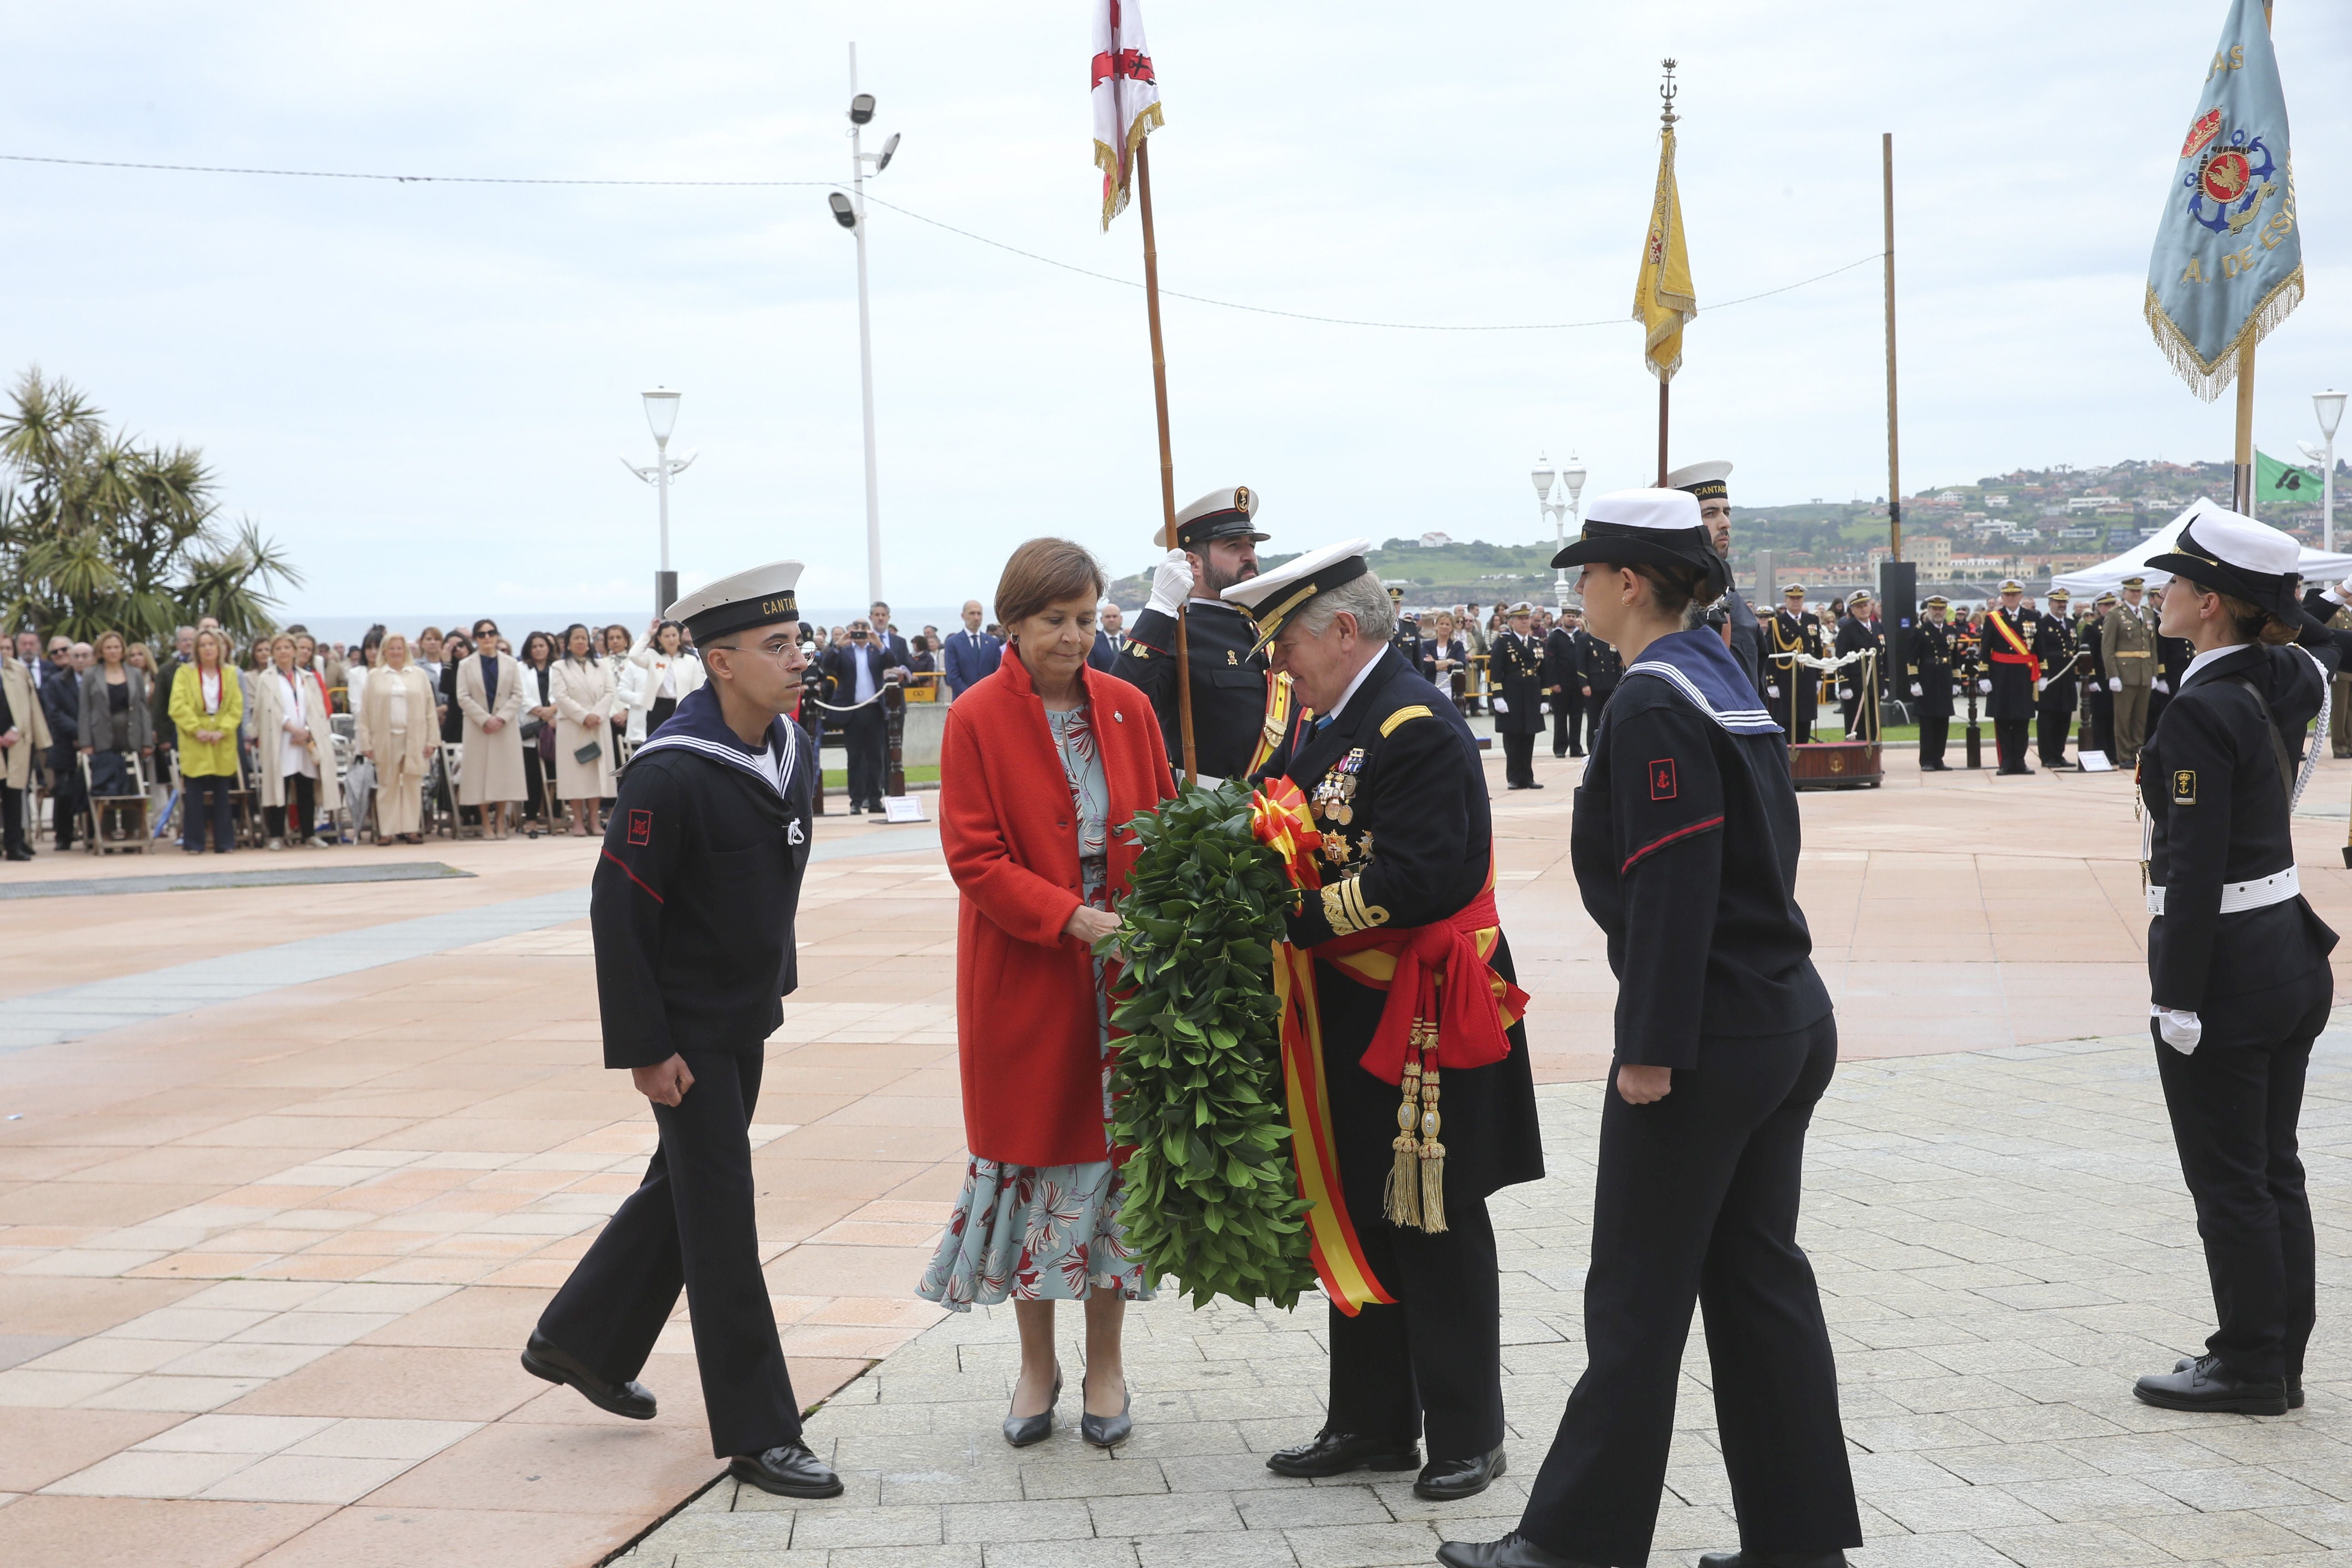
489	692
23	741
582	688
294	750
397	730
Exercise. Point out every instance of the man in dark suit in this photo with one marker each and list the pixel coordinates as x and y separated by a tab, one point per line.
1565	681
896	653
1108	637
970	653
860	674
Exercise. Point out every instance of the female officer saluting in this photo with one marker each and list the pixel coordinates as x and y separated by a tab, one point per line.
2237	961
1684	846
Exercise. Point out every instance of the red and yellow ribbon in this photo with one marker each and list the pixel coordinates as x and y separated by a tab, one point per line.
1280	820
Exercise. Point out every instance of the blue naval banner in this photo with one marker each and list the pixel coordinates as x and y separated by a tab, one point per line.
2229	260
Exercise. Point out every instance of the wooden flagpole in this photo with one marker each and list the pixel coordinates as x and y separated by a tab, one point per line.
2242	488
1662	434
1893	466
1167	461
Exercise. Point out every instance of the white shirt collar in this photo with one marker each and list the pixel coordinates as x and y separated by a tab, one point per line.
2208	657
1345	697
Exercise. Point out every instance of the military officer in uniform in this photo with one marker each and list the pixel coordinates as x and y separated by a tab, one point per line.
1602	671
2011	672
2098	702
1732	616
2127	643
2239	982
1233	699
1933	668
2172	656
1791	689
1516	668
1685	850
691	910
2057	646
1855	633
1406	639
1400	797
1565	683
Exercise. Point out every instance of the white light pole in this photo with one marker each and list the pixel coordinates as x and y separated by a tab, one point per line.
661	414
1572	480
850	213
2329	407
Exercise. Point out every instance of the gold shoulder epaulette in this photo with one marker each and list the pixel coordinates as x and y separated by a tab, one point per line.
1389	725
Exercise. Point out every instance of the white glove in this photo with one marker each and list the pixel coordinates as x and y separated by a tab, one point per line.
1772	692
2040	687
1915	691
1172	584
2180	1030
1501	706
1985	685
1845	693
2164	687
2114	683
1543	707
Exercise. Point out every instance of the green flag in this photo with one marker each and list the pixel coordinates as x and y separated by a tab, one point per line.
2280	482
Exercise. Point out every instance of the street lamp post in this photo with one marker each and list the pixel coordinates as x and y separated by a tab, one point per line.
661	414
2329	407
1572	480
849	211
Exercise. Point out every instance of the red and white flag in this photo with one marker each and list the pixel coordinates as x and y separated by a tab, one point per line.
1126	97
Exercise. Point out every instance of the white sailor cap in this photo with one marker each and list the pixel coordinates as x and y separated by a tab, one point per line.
1228	513
1649	528
1704	481
2229	552
1271	598
758	597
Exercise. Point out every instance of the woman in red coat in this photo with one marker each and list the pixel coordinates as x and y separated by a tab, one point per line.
1043	765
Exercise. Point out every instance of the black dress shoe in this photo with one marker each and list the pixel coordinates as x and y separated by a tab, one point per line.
1513	1550
2206	1384
1773	1560
1022	1431
541	1358
789	1472
1443	1480
2293	1384
1336	1453
1108	1431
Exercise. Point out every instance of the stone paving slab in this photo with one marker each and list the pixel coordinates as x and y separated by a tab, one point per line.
2002	1242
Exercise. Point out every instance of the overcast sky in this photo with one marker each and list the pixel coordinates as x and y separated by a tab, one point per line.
424	390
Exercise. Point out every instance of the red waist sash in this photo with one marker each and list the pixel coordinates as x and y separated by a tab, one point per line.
1414	966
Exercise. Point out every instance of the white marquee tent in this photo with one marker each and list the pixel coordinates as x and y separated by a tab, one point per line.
2318	565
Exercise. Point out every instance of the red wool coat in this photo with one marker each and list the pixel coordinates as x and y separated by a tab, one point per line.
1024	993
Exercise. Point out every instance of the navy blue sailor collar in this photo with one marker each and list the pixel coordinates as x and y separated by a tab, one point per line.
698	727
1704	674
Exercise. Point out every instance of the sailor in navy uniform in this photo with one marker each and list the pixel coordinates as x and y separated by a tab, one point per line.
1408	847
2238	963
1732	616
1934	658
1856	634
1215	547
1565	681
1515	674
692	910
1685	847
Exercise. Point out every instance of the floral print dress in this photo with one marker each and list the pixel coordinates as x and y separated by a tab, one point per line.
1050	1233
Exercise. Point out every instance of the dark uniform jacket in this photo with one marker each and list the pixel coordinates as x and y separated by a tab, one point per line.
1561	672
2217	812
1734	613
1853	636
1406	638
1228	683
1932	669
1792	634
1417	848
2013	684
694	895
1599	664
2055	644
1685	846
1515	673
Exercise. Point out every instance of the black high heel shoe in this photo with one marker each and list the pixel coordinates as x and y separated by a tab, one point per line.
1020	1431
1106	1431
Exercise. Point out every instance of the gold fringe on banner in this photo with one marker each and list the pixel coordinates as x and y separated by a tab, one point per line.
2210	379
1118	166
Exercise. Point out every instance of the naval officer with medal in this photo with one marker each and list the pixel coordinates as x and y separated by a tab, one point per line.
1236	703
692	909
2238	963
1685	846
1394	776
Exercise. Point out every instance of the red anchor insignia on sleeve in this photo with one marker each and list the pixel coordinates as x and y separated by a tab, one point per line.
1662	779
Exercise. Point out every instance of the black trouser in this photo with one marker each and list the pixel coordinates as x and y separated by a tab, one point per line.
203	797
301	794
2234	1111
537	796
1933	730
66	793
658	714
11	819
866	736
2009	740
690	1222
1519	758
2051	720
1696	1201
1434	1360
1567	719
2099	722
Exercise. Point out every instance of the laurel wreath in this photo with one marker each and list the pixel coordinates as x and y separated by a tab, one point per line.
1211	1197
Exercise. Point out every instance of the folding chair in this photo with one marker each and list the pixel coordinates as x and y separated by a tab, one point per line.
116	823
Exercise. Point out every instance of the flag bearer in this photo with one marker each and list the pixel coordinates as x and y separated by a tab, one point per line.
1685	849
2239	977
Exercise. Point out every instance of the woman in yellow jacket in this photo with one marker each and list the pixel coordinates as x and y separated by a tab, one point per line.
207	706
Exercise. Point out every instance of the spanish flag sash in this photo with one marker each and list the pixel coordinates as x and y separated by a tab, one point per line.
1280	705
2017	652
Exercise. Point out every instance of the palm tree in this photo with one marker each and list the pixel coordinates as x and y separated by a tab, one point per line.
99	532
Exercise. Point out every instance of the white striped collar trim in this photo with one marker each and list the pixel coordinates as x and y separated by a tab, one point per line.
1738	720
731	755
